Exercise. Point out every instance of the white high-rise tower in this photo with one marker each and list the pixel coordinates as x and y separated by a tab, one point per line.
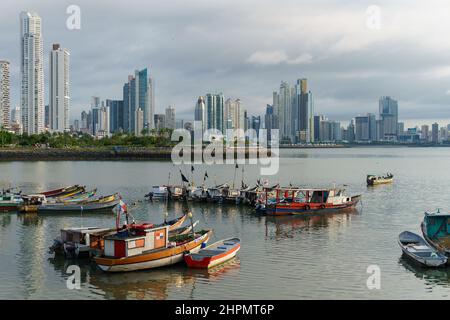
4	94
59	89
32	73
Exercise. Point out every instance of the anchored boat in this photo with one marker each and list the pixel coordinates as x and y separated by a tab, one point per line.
10	202
436	230
417	249
303	201
373	180
143	247
88	241
103	204
214	254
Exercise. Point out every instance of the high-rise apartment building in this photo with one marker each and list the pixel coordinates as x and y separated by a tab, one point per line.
32	73
5	102
59	96
388	110
170	117
215	111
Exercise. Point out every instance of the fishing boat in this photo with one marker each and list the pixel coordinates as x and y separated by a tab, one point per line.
88	241
143	247
10	202
232	195
31	202
216	194
176	192
75	198
436	230
67	191
214	254
305	201
373	180
418	250
104	204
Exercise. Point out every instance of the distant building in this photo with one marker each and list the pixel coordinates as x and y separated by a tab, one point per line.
32	73
138	93
435	133
5	103
424	133
214	111
388	109
200	113
139	122
170	118
116	114
365	128
270	121
160	121
59	95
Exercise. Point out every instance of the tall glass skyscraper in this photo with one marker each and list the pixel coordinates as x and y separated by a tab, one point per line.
388	108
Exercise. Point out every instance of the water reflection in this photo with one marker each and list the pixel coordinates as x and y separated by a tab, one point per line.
431	276
289	226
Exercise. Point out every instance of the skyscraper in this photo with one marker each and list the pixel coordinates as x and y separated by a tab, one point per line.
200	112
116	114
270	121
284	111
59	89
388	108
138	93
233	114
214	111
32	73
170	117
4	94
435	132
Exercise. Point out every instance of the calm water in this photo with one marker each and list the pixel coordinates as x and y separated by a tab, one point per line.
323	257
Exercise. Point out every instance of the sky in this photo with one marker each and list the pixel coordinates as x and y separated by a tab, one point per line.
351	52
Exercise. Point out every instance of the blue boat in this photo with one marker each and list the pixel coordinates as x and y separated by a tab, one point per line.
436	231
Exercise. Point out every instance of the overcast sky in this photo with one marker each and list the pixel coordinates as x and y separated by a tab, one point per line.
245	48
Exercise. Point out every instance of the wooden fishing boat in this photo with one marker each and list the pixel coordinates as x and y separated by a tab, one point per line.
97	205
141	248
76	198
373	180
232	195
67	191
418	250
436	231
305	201
214	254
10	202
88	241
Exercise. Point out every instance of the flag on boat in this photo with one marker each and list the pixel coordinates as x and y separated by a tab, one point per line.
183	178
206	176
266	182
237	167
192	168
122	207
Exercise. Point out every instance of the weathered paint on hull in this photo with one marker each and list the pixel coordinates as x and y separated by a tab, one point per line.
292	211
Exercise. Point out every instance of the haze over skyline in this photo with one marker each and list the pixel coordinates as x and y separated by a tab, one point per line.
245	49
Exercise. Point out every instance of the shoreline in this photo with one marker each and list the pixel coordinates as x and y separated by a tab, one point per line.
154	153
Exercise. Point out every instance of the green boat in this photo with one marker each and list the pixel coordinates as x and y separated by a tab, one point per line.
10	202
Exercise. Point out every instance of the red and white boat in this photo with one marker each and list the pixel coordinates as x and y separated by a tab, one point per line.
214	254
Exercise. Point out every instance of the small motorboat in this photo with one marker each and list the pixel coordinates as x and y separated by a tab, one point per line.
214	254
418	250
373	180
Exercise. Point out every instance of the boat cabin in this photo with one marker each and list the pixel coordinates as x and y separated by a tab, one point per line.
437	225
136	240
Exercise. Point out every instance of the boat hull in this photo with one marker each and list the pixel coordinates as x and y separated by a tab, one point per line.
210	262
277	210
89	207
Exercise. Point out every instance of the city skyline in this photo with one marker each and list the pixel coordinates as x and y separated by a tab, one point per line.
350	78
